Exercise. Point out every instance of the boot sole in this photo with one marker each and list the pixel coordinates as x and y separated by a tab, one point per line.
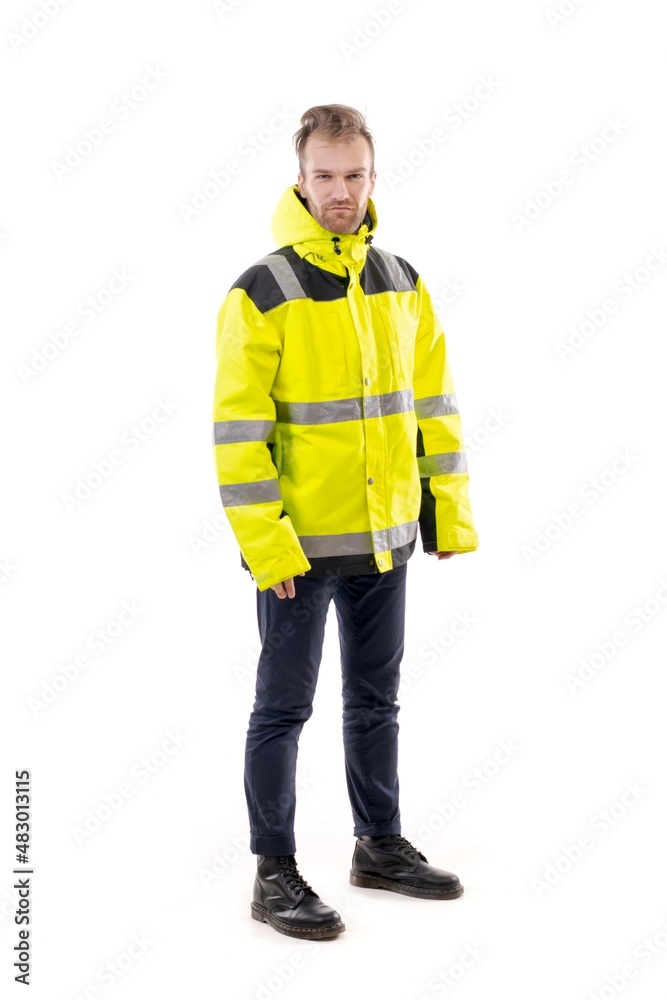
262	914
378	882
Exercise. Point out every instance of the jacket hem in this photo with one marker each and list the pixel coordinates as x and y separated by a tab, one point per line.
360	564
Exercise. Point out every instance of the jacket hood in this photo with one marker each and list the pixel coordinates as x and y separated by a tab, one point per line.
293	225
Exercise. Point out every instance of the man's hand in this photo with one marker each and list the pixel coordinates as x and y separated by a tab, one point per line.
286	588
443	555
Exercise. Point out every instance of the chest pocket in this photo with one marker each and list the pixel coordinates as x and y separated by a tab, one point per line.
392	342
341	348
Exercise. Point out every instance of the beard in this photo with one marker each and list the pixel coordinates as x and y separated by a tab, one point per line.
337	221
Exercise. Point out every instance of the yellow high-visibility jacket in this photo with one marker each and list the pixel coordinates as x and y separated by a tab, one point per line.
337	433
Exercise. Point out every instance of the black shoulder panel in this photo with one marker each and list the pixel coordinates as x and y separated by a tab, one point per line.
385	272
282	276
259	283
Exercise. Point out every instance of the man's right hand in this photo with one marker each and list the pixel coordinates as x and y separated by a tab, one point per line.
286	588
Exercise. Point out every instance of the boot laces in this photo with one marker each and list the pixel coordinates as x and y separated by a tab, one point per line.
292	875
405	846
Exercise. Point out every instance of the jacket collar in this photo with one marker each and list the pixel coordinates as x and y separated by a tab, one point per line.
293	225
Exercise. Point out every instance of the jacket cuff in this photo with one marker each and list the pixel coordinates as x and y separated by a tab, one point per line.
458	540
448	540
291	566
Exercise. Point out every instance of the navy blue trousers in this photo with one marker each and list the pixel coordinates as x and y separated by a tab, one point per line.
370	609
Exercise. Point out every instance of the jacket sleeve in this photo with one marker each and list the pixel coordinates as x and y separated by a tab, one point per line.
445	518
248	350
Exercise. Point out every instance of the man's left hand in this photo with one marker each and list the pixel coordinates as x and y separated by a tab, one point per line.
442	555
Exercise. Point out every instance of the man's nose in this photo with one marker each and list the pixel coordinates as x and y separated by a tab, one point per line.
340	192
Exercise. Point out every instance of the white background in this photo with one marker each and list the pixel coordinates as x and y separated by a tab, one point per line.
152	533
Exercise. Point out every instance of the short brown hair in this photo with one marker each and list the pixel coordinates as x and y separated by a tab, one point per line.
338	122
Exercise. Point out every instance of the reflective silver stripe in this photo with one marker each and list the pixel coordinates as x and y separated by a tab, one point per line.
354	408
284	275
386	403
318	413
399	534
399	278
347	544
442	464
358	542
436	406
229	431
260	491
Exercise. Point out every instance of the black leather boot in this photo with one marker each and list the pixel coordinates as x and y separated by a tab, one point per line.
282	898
391	862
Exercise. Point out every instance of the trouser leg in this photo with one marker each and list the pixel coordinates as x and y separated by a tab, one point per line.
292	633
371	627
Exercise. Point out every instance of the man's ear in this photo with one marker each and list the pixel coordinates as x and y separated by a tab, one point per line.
373	177
300	182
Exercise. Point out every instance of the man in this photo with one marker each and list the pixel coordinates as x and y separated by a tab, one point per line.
337	437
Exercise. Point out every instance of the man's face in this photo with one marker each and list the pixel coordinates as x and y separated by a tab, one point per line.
337	182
